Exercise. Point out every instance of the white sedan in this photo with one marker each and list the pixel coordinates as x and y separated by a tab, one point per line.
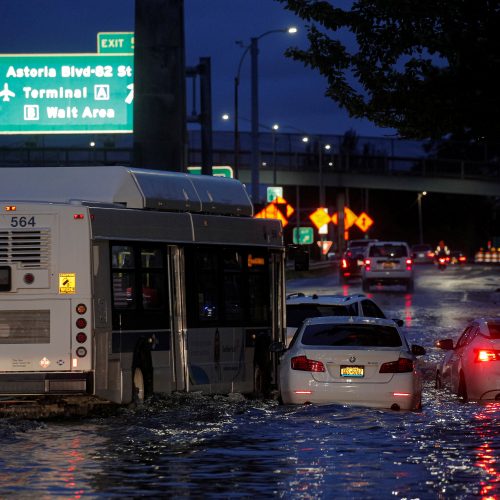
471	368
351	360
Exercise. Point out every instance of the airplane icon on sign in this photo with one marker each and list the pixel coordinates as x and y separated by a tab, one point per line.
6	93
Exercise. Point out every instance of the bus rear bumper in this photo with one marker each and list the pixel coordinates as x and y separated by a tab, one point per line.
35	384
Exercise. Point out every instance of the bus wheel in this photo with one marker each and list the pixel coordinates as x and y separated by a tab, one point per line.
138	387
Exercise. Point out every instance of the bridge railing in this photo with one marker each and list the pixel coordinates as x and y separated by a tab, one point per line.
270	160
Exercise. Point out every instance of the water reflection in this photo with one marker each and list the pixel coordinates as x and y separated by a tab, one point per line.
488	451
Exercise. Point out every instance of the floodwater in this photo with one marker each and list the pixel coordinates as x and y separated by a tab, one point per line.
228	447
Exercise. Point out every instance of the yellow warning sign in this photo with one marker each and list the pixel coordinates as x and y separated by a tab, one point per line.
67	283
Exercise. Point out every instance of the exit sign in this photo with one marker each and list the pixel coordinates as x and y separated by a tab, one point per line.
116	42
66	93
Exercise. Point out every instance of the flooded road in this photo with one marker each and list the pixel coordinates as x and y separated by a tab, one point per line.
229	447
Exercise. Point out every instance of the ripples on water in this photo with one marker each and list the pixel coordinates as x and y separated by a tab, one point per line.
193	446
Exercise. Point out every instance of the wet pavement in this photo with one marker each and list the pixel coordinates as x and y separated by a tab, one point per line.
228	447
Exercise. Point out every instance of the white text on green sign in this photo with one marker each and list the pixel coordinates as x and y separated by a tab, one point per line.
303	235
116	42
66	93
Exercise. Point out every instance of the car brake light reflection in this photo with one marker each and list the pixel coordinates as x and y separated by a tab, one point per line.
303	392
403	394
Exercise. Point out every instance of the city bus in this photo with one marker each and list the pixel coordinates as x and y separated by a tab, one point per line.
120	283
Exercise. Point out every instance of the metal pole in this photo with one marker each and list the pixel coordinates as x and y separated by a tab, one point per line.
254	52
274	159
420	224
321	183
236	130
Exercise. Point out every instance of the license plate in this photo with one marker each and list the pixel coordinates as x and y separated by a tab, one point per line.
352	371
388	265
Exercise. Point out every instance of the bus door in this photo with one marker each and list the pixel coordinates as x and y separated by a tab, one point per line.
178	318
277	302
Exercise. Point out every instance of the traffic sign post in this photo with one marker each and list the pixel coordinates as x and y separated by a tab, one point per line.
66	93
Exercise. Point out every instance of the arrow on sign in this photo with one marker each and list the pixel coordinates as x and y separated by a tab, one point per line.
364	222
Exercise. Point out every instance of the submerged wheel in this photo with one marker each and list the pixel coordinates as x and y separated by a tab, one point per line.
365	285
462	388
138	386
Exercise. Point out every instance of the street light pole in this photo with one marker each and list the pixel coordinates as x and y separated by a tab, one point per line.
420	221
254	52
275	128
255	154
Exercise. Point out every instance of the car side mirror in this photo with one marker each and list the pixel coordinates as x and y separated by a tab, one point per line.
277	347
446	344
398	322
417	350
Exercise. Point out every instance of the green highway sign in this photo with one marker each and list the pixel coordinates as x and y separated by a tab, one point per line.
116	42
303	235
217	171
66	93
274	192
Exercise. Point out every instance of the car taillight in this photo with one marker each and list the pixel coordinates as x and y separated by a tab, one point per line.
305	364
485	355
402	365
368	264
409	263
344	264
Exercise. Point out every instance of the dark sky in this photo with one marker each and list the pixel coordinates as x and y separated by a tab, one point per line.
290	94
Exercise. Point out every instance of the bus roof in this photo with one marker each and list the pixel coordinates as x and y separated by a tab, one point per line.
125	186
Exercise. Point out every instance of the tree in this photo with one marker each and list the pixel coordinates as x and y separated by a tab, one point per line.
424	68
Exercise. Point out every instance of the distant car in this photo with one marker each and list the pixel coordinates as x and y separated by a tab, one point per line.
388	263
458	257
299	307
471	368
422	254
351	360
352	260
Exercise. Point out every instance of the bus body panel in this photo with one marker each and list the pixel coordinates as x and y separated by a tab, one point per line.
196	310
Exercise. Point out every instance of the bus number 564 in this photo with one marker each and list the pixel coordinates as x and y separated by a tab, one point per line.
22	222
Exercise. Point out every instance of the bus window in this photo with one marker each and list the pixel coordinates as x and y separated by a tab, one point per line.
233	264
153	279
122	259
259	303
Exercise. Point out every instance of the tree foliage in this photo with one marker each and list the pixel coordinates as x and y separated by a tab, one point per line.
427	68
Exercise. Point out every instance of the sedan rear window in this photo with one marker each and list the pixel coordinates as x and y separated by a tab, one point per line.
494	329
351	335
296	314
388	251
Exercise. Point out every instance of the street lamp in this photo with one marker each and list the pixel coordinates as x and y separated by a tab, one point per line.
254	52
420	222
